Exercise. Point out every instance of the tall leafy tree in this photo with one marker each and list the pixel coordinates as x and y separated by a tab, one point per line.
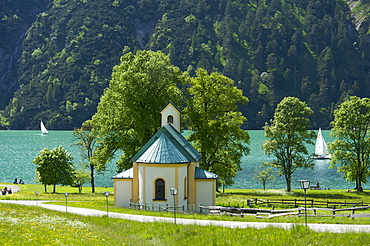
87	141
128	113
287	136
351	148
264	175
54	167
213	116
81	177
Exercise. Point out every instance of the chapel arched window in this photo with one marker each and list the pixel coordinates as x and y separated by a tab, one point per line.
159	189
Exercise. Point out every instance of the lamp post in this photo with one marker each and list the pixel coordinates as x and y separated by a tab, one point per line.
37	193
66	195
305	184
174	193
106	193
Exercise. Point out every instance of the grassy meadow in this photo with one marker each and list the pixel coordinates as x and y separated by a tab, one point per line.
26	225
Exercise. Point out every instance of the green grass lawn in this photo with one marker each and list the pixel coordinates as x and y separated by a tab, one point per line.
26	225
235	198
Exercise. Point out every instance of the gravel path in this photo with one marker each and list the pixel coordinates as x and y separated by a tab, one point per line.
335	228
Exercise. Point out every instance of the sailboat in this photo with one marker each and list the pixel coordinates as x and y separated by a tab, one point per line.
43	128
321	151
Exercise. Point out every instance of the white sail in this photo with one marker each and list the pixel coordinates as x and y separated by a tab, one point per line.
43	128
320	147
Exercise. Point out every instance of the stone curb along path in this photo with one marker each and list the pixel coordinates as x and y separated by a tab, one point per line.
334	228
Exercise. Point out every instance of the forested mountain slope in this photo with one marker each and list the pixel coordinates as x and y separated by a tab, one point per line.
16	16
316	50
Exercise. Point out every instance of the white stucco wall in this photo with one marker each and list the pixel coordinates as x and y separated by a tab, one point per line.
173	175
122	192
205	192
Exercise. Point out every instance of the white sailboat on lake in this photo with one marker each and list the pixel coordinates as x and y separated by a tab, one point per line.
43	128
321	151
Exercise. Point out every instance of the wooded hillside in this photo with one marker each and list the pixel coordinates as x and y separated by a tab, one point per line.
315	50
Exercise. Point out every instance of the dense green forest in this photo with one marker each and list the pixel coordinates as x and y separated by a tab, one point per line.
58	55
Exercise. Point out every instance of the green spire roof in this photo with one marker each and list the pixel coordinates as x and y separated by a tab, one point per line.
167	146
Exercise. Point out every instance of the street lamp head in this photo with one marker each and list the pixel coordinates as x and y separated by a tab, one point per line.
173	191
305	184
66	194
106	193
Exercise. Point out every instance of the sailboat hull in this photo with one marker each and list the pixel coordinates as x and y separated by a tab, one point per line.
320	157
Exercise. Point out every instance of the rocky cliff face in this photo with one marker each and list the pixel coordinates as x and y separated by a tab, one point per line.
16	16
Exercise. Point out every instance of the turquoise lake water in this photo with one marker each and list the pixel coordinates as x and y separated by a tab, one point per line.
19	148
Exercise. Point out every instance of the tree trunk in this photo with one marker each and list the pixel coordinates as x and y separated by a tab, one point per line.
45	189
287	179
92	178
358	184
54	188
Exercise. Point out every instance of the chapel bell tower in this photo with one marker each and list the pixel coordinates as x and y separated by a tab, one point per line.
171	116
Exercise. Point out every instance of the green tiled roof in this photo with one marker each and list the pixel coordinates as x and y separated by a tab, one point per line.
204	174
128	174
165	147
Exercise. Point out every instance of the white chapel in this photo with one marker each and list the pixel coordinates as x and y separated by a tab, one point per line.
166	161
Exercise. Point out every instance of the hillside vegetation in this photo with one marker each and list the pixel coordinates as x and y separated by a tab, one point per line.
315	50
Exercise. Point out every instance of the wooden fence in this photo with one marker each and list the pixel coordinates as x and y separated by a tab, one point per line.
295	203
153	207
313	203
271	213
